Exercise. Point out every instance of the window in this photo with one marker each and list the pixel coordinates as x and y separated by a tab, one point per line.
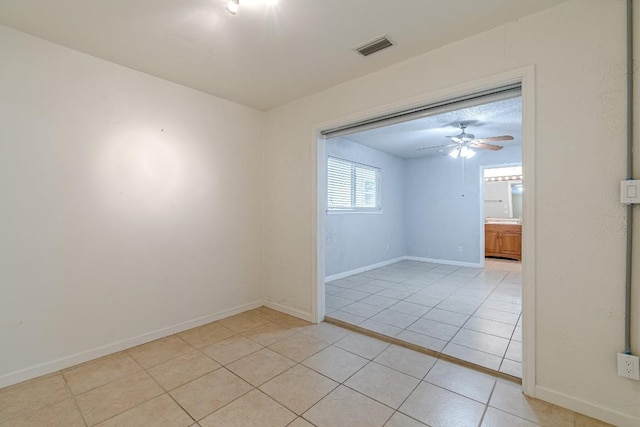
352	186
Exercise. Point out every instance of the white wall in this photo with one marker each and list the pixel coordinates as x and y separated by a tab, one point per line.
578	50
130	207
357	239
443	213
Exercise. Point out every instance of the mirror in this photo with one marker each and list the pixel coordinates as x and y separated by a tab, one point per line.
503	194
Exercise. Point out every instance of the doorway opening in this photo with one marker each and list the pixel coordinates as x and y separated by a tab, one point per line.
404	229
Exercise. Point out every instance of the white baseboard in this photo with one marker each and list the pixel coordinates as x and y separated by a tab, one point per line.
363	269
74	359
402	258
446	261
288	310
583	407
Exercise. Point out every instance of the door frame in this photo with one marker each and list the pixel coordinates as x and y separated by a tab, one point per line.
526	77
481	200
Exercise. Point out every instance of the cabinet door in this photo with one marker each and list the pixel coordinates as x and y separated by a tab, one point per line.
491	242
511	243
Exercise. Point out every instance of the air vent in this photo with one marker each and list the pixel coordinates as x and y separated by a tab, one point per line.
374	46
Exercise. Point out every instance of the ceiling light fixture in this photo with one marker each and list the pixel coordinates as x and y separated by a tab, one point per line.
233	6
462	151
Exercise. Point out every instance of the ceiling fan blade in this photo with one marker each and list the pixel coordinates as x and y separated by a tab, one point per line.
484	146
436	146
495	138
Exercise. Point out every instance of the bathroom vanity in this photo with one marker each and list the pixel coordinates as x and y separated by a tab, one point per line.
503	240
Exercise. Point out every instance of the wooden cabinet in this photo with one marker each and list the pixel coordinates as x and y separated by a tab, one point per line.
503	240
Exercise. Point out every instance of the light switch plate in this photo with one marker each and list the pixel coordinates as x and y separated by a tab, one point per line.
630	191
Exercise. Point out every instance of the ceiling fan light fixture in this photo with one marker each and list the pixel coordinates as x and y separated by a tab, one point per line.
233	6
455	153
466	152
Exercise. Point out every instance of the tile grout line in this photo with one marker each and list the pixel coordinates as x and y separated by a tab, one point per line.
427	351
458	289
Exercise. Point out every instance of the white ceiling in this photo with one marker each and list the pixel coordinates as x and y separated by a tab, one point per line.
406	139
265	55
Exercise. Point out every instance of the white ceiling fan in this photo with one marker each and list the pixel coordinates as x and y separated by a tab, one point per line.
462	143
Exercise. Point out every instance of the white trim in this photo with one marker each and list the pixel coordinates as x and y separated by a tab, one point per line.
481	201
319	200
528	232
446	261
353	211
363	269
583	407
74	359
526	76
290	311
401	258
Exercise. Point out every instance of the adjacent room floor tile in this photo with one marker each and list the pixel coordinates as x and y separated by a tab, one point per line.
474	356
362	309
410	308
362	345
350	318
442	304
444	316
514	351
483	342
421	340
401	420
407	361
511	367
434	329
379	301
395	318
498	316
380	328
490	327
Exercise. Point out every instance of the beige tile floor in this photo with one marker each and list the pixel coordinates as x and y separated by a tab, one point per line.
263	368
473	314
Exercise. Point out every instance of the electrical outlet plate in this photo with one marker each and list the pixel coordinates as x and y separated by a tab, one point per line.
629	366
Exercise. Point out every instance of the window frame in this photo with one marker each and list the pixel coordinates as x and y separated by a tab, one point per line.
353	208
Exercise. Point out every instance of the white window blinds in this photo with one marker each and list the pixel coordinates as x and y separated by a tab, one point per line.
352	186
